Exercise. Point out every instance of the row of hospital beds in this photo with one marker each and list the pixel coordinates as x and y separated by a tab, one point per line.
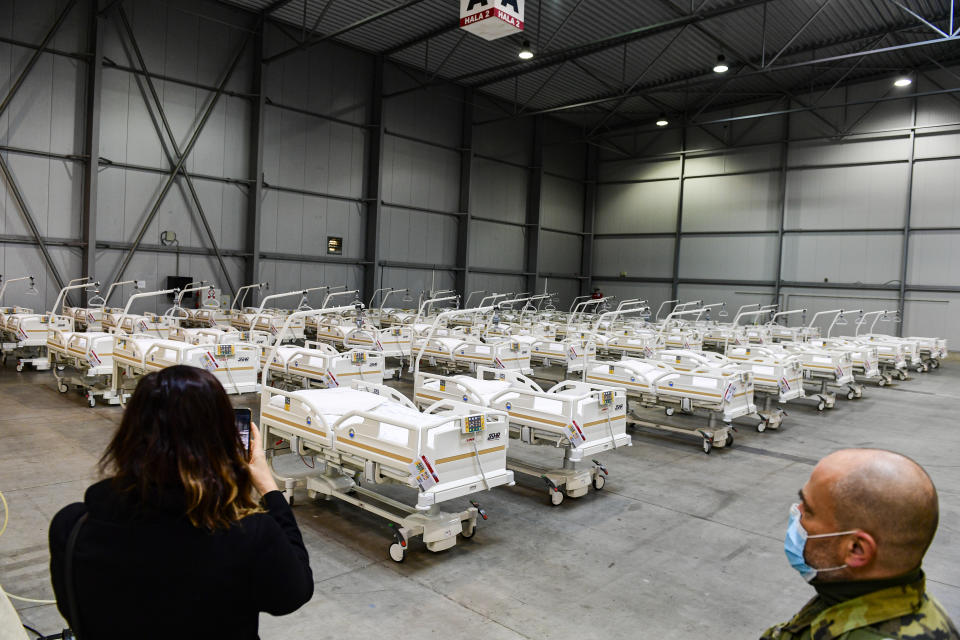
320	373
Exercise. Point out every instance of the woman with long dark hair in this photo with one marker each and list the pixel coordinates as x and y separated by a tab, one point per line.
173	544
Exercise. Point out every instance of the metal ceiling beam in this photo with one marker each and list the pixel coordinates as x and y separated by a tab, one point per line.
421	39
706	77
544	60
312	42
277	4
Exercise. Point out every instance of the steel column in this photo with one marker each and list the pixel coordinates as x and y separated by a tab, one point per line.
92	145
374	179
179	165
462	277
679	232
906	220
590	188
534	200
784	152
255	194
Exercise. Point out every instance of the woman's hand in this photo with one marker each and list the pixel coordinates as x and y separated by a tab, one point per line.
260	472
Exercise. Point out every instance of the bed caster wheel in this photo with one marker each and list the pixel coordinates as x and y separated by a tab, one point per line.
729	441
468	530
669	411
62	388
901	375
91	401
19	367
397	552
851	394
556	497
598	482
821	405
934	364
762	426
707	447
61	367
882	382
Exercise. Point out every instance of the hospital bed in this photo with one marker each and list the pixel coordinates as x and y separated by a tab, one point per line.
371	434
84	360
725	393
235	365
457	353
210	335
583	419
318	365
777	376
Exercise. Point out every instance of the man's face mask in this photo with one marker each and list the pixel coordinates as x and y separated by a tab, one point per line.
796	541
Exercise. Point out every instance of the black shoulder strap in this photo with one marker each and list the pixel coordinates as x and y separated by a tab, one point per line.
72	605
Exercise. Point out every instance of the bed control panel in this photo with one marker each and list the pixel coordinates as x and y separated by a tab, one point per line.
473	424
224	351
358	357
606	399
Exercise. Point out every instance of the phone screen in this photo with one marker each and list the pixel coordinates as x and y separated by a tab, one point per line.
243	426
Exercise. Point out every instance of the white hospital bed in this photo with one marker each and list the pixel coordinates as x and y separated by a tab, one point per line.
371	434
457	353
584	419
84	360
234	365
724	393
318	365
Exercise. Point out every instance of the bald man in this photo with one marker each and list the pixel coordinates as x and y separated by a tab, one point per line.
865	519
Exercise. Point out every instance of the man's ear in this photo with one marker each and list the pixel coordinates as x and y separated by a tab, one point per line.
860	550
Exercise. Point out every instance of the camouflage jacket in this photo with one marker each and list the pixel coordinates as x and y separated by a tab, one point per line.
899	613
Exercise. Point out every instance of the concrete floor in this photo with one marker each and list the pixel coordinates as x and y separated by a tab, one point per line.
678	545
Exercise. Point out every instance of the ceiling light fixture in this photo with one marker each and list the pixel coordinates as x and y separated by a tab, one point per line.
903	80
721	66
525	51
662	120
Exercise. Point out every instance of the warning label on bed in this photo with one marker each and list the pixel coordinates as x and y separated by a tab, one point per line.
424	473
575	434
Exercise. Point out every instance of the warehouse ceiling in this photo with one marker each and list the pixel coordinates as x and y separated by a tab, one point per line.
605	64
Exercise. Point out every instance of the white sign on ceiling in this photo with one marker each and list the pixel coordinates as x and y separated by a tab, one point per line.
491	19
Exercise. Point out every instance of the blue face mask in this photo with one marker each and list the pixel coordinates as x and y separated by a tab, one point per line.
796	541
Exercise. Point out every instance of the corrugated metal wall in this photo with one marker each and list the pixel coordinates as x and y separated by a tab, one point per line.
315	154
844	197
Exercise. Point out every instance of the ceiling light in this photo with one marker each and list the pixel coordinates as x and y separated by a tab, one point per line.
525	51
721	66
662	120
903	80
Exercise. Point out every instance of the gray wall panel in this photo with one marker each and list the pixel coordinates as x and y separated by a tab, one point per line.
432	115
420	175
848	257
653	293
507	140
633	170
824	299
498	246
850	197
638	257
637	208
936	193
416	236
932	314
492	282
417	281
559	252
853	150
733	257
934	259
562	204
735	297
23	260
732	203
498	191
734	160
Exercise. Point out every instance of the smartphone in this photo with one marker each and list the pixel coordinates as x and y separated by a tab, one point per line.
243	418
